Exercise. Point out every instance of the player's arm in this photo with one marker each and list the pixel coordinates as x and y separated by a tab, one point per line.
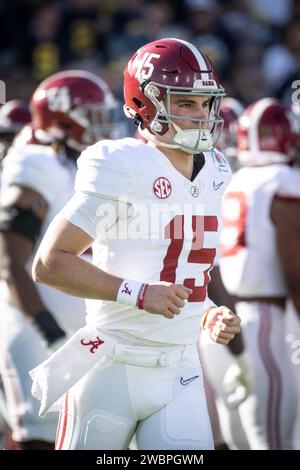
21	216
59	265
285	214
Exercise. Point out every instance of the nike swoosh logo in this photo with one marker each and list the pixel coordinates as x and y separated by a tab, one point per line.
187	381
217	186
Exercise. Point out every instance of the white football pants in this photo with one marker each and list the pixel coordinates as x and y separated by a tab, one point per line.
268	415
22	349
163	402
216	359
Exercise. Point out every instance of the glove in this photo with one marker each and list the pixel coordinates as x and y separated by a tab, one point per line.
49	328
237	381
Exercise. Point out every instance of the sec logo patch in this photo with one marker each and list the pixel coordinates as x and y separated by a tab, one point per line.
162	187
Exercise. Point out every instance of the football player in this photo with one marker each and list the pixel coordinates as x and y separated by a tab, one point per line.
260	265
151	212
70	110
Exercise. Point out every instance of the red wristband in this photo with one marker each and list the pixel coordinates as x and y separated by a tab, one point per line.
140	301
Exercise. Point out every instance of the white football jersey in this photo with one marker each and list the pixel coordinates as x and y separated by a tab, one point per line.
166	229
250	265
39	168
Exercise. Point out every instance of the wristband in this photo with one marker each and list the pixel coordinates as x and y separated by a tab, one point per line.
129	291
204	316
140	302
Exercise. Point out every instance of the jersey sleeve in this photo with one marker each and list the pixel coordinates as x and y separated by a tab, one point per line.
102	171
93	214
34	170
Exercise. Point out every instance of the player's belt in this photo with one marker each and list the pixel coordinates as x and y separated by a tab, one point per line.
152	357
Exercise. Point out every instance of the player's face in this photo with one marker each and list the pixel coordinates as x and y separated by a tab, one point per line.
189	106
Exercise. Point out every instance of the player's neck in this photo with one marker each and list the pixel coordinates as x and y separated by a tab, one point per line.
182	161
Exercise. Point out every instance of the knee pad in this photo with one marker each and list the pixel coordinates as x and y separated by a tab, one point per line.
105	430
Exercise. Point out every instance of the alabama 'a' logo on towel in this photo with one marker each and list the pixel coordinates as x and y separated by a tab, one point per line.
95	344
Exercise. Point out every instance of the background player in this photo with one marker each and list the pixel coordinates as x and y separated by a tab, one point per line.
260	246
69	110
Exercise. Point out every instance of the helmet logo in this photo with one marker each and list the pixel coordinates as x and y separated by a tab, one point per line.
144	66
162	187
59	99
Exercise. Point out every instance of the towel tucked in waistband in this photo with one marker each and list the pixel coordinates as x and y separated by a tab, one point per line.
87	348
53	377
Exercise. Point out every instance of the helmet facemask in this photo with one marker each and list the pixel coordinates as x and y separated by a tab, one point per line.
94	122
99	121
204	132
75	109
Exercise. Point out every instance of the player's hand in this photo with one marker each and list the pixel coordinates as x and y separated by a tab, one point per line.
222	325
165	298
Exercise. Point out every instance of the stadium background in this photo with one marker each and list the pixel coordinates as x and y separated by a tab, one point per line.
255	45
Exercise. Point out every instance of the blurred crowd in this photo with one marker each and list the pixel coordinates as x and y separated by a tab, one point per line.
255	44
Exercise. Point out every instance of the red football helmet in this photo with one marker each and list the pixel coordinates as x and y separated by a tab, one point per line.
265	134
73	107
165	67
13	116
230	111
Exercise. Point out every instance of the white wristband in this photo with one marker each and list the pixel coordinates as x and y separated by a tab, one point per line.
128	292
